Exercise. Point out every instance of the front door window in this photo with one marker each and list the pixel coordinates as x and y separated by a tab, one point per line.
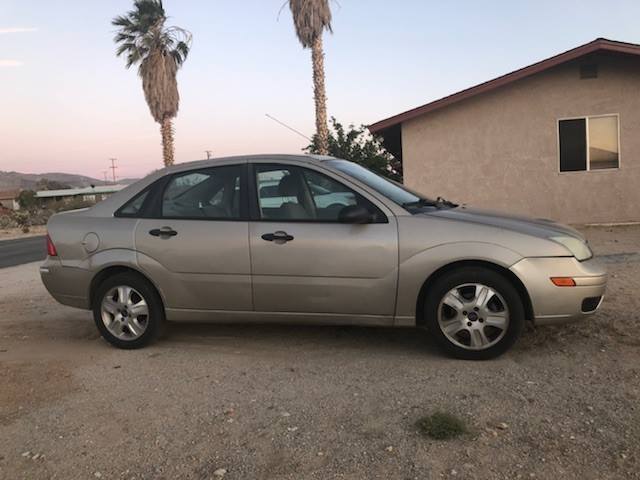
290	193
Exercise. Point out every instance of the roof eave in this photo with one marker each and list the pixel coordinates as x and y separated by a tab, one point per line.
599	44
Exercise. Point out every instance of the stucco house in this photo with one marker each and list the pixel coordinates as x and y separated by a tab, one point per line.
558	139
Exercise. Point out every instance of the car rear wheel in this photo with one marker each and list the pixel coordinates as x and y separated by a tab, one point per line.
474	313
127	311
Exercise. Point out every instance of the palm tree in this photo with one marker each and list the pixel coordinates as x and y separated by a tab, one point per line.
310	18
159	51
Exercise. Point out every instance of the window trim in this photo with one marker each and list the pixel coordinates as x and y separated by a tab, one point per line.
254	206
588	159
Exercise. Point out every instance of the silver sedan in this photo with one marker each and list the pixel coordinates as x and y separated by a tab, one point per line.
306	239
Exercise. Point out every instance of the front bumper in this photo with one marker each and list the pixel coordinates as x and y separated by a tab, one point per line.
552	304
68	285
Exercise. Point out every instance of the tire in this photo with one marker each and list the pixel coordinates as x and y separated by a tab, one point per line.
131	328
474	313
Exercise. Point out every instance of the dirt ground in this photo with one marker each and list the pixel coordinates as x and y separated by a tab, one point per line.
12	233
287	402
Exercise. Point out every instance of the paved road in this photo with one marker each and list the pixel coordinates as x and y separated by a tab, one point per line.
22	250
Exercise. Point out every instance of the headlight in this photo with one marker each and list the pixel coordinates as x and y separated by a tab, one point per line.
577	247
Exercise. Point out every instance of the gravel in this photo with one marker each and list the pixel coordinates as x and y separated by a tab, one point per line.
292	402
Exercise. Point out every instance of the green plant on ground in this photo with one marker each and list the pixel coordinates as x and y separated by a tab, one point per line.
22	220
441	426
6	220
27	199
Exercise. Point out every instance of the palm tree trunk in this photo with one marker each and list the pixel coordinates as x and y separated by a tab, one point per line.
166	129
320	96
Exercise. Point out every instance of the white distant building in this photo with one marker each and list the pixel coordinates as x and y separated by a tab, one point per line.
86	194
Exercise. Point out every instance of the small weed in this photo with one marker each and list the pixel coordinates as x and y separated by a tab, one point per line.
441	426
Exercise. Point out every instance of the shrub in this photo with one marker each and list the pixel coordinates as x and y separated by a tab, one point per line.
6	221
356	144
22	219
441	426
27	199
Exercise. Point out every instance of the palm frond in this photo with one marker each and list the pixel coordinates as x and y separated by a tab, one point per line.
126	47
158	71
310	18
142	30
158	51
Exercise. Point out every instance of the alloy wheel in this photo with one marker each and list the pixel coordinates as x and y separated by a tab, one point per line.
124	312
473	316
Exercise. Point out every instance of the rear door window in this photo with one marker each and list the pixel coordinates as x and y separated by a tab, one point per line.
213	193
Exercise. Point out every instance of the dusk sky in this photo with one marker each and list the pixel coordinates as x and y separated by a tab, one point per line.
68	103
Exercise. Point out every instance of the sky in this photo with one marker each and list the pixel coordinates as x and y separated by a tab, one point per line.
67	103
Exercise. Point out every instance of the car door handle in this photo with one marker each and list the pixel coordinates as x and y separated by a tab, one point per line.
277	237
163	232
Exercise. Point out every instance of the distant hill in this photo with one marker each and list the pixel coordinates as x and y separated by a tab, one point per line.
127	181
11	180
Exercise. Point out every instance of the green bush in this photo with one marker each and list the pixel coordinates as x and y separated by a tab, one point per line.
6	221
356	144
27	199
441	426
22	219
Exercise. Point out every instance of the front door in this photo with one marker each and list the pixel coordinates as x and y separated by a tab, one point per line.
196	248
304	259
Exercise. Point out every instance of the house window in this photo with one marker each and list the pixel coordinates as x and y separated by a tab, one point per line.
589	143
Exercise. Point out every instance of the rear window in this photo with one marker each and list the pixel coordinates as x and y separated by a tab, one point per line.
133	208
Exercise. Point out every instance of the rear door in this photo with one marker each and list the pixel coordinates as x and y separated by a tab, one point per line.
196	245
304	259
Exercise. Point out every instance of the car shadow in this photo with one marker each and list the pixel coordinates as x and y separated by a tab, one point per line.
252	336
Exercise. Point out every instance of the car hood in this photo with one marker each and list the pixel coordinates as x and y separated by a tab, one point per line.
538	227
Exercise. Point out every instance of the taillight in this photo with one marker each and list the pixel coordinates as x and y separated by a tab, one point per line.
51	248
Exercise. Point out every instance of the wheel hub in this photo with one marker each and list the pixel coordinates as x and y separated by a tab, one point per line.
473	316
124	312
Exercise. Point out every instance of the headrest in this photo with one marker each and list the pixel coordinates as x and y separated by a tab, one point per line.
288	186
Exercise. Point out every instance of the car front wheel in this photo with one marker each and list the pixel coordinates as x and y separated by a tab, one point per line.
474	313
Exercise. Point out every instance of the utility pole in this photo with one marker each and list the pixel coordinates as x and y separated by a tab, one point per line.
209	153
113	168
104	172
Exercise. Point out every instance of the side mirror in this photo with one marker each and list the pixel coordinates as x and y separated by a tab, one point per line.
355	214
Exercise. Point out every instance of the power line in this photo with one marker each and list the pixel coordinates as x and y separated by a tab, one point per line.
287	126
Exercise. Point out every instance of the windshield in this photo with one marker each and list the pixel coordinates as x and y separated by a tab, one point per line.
390	189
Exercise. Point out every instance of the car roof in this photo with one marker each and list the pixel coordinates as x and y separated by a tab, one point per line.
212	162
106	207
